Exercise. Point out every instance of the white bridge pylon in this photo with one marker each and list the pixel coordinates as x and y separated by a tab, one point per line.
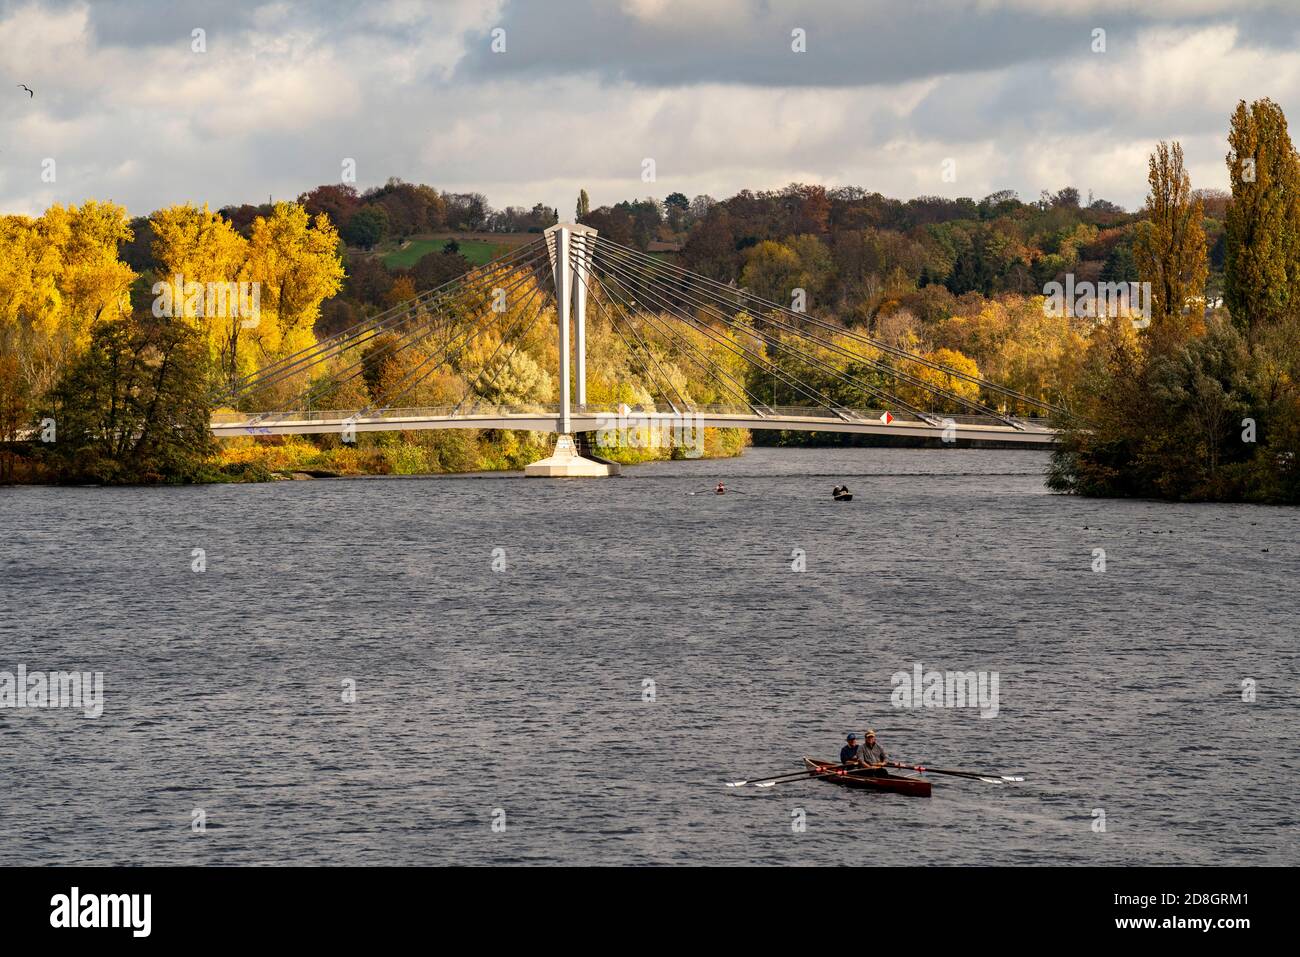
570	246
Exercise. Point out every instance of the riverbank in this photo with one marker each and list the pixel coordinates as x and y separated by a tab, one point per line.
442	452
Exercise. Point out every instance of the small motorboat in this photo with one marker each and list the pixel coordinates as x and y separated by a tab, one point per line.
872	780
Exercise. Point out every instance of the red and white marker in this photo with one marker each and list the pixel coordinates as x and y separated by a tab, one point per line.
886	418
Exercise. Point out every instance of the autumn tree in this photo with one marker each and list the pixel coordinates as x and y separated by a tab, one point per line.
1169	248
922	397
1261	275
774	270
295	260
402	290
196	245
60	275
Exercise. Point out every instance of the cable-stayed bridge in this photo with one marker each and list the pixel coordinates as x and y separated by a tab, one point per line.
764	365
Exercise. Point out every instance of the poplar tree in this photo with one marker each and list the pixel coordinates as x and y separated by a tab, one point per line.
1169	248
1261	274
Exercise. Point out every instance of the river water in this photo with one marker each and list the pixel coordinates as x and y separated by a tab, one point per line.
521	694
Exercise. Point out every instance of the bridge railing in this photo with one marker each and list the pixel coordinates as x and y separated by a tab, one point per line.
487	411
228	417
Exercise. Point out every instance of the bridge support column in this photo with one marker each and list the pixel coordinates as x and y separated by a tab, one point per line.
560	247
570	249
581	273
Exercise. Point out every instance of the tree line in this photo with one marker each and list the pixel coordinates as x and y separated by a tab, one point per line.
1204	402
1199	402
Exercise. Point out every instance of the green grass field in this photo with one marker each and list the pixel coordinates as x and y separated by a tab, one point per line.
476	251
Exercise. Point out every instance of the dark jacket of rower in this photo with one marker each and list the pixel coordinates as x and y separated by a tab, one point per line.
851	751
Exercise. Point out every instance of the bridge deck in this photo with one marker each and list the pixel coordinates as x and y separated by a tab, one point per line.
538	419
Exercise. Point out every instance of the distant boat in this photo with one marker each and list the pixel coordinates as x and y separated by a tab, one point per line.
844	497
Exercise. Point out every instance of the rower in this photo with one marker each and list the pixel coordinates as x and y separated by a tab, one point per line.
873	754
721	489
851	753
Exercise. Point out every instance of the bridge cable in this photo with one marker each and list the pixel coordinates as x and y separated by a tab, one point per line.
877	344
421	329
478	329
652	382
402	342
848	333
611	294
691	352
840	374
370	327
876	391
519	335
835	408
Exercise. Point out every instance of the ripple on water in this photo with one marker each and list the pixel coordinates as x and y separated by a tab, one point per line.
521	692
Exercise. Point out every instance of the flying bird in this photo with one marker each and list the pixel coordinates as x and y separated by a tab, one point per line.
27	88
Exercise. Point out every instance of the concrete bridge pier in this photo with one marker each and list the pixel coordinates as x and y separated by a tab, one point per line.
567	462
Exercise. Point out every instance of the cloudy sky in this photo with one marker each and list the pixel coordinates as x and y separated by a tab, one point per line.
1011	91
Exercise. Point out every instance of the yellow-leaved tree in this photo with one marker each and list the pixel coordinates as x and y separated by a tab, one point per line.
295	260
193	245
59	274
929	401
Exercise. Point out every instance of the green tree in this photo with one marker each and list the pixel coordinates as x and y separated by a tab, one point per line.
584	204
134	406
367	227
1119	265
1261	272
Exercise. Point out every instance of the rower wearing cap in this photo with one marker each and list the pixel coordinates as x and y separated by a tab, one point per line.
851	753
872	753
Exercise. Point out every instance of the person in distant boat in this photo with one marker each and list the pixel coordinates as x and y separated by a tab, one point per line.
840	490
851	753
721	489
872	753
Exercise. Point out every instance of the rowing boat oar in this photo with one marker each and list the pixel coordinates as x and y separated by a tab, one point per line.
757	782
819	773
986	777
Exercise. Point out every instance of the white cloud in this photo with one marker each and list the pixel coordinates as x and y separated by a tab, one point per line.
283	96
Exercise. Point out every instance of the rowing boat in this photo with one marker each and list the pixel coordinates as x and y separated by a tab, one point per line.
881	781
844	497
